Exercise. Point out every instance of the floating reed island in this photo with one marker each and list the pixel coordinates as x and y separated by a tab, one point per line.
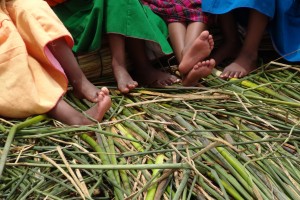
226	139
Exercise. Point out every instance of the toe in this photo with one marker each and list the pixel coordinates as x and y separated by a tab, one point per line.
132	85
101	96
242	74
204	35
212	63
232	74
173	79
105	90
224	74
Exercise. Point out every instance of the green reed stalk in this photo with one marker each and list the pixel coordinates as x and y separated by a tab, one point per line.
183	184
155	173
243	189
11	135
233	192
105	160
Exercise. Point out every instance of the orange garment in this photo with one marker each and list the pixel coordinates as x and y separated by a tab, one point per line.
32	81
54	2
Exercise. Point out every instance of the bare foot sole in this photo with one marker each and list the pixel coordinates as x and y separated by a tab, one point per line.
98	111
200	70
199	50
241	67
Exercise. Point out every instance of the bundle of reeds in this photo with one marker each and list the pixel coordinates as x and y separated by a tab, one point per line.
97	64
236	139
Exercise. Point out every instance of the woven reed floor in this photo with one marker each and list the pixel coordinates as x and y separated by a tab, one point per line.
235	139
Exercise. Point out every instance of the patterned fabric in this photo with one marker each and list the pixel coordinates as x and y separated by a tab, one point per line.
178	10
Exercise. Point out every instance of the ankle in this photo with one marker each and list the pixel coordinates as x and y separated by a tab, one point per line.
118	62
249	55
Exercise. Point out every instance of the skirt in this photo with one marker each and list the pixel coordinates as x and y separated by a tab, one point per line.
285	28
266	7
178	10
84	20
88	20
31	79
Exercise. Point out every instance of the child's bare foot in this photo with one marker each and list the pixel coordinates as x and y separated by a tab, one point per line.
200	70
84	89
65	113
124	80
199	50
241	66
98	111
152	77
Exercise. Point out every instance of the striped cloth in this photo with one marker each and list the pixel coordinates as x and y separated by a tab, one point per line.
178	10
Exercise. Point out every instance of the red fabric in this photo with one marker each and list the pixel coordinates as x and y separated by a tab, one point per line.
178	10
54	2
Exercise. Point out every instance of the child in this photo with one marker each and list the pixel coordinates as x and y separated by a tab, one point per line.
282	19
260	12
129	26
191	42
36	60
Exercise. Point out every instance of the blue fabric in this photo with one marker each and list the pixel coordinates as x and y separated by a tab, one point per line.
284	24
223	6
285	29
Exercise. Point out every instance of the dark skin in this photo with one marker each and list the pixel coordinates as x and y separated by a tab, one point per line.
82	87
245	55
146	74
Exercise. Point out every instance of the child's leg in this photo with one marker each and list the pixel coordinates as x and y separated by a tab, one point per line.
65	113
198	51
82	87
197	46
177	32
146	74
123	78
247	58
232	43
191	46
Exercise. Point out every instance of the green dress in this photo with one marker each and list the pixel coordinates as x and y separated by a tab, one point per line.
89	20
